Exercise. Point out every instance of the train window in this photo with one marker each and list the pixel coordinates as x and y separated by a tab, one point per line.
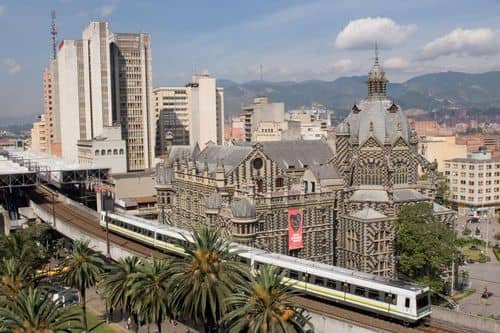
359	291
373	294
390	298
319	281
330	284
293	275
422	301
407	302
345	287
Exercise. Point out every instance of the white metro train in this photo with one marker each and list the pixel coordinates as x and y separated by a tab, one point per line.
404	301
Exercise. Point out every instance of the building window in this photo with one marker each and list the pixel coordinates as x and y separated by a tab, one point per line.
279	182
121	151
260	185
400	174
103	152
115	151
109	152
257	163
372	175
96	153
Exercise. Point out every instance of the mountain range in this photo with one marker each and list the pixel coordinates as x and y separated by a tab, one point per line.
446	90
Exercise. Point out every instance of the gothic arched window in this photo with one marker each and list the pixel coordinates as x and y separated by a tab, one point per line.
400	173
371	174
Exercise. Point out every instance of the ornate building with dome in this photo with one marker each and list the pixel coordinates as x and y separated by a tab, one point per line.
300	197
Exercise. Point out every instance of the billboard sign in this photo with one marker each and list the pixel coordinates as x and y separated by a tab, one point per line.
295	225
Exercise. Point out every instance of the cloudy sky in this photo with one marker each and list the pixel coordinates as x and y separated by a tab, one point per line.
292	40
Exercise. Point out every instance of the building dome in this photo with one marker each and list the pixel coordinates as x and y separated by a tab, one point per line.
214	201
376	116
243	209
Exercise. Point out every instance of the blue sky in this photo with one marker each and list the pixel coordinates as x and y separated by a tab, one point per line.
293	40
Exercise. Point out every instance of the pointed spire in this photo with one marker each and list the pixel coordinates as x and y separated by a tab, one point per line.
376	79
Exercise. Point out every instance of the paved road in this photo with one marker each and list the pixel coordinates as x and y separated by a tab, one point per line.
481	276
95	303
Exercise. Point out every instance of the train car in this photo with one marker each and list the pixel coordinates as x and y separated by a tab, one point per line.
405	301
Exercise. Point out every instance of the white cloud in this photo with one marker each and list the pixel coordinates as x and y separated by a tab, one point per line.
107	10
2	9
363	33
470	42
395	63
11	65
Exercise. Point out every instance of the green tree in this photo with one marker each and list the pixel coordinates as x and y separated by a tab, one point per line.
265	304
203	279
84	267
116	280
442	191
149	293
14	277
34	312
425	247
26	249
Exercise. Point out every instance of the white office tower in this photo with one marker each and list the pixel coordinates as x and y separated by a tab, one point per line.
191	114
97	78
206	104
71	97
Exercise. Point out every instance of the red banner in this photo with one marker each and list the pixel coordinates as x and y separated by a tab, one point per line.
295	224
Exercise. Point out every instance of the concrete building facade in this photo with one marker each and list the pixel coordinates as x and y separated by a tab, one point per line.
191	114
266	121
97	79
39	135
441	148
474	183
105	151
71	96
132	93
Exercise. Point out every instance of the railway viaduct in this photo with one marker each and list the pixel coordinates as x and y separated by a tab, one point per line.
76	221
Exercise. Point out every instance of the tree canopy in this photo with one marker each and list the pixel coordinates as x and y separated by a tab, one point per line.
425	247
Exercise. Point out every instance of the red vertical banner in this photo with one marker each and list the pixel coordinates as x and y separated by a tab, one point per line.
295	225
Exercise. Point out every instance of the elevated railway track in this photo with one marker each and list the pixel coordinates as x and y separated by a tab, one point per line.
81	219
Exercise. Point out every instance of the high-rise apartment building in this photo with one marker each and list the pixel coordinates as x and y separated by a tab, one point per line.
51	110
131	86
98	82
191	114
71	97
97	78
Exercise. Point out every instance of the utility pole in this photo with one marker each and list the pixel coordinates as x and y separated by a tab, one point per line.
54	210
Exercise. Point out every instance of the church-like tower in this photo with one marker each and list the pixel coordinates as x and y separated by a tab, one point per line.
377	155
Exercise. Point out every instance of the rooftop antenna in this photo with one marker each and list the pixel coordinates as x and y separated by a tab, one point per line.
376	53
53	32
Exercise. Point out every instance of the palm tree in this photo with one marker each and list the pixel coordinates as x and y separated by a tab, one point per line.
84	267
265	305
34	312
148	291
116	281
14	277
205	277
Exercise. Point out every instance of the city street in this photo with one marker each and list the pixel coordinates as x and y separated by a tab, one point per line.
482	275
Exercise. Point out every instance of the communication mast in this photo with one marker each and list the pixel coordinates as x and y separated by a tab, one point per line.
53	32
